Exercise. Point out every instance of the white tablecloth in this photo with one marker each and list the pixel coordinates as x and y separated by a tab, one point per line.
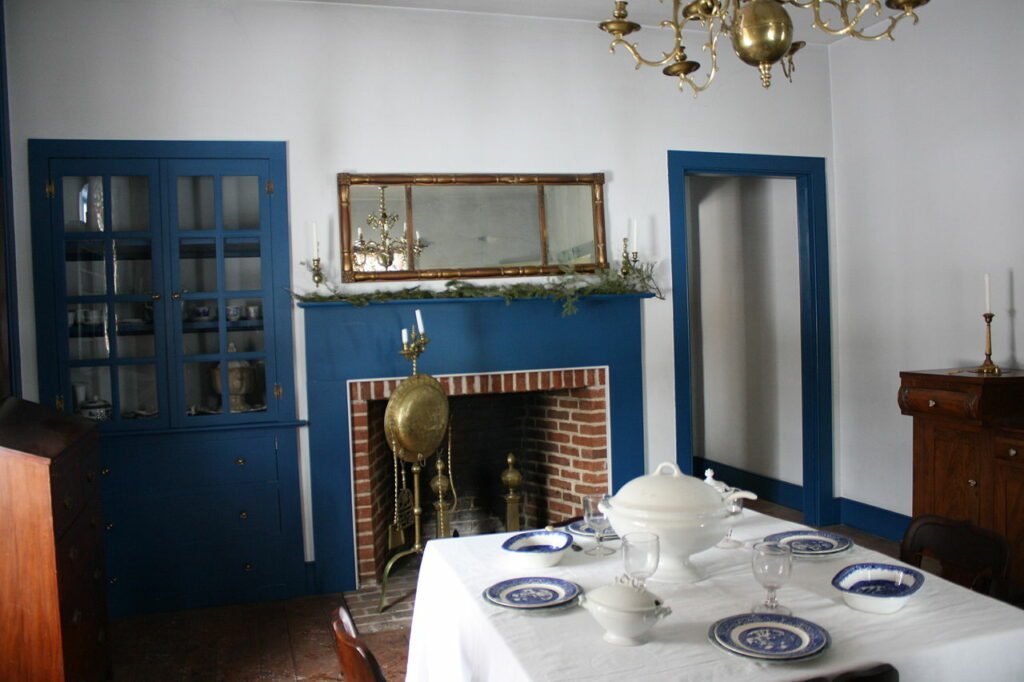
944	633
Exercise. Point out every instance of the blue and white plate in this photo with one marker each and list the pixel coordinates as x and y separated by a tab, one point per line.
532	593
581	527
812	542
770	637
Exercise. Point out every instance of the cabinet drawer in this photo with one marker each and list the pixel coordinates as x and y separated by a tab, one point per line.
1010	449
939	402
151	466
74	481
210	516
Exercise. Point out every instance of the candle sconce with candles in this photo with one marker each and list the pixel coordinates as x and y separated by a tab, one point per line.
315	268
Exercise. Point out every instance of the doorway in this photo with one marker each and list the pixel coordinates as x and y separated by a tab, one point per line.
752	331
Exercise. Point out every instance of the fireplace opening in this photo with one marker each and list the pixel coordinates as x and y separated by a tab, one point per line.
554	423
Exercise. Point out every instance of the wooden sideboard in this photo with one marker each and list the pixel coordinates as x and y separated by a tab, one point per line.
53	610
969	449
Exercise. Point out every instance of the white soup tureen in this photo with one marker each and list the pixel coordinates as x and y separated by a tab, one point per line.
687	515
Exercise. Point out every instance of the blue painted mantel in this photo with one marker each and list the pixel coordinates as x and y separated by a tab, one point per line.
467	336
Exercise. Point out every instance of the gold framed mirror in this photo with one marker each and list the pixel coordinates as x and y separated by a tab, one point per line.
411	226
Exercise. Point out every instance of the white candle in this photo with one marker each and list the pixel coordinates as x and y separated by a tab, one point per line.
419	321
988	294
359	234
316	240
417	236
405	336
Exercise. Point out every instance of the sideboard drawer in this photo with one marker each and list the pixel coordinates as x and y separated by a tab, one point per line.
939	402
74	482
1010	449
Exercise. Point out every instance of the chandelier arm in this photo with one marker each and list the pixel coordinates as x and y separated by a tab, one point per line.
711	47
849	26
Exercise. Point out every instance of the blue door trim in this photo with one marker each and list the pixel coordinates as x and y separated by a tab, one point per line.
818	505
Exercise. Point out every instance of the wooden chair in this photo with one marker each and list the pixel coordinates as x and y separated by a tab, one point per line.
977	558
883	672
358	663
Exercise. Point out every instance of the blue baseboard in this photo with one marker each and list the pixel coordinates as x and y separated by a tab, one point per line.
875	520
779	492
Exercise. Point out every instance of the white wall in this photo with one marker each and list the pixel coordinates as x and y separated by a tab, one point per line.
368	89
928	197
749	324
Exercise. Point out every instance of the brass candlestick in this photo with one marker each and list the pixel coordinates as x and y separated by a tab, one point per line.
629	260
318	272
414	347
988	367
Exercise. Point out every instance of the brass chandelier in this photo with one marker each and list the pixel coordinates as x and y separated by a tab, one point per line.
761	31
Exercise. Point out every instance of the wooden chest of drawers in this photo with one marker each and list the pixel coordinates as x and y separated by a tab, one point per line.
969	450
53	609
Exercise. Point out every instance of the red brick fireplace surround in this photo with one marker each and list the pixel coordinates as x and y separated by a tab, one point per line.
564	453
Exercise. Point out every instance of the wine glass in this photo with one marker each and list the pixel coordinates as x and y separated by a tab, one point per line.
596	519
772	564
735	510
640	552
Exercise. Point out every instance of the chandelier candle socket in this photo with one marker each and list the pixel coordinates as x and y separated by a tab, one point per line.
761	31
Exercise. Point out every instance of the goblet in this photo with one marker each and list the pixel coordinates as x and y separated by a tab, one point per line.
640	555
772	565
596	519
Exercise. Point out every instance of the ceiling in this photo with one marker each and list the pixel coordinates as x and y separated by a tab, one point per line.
644	12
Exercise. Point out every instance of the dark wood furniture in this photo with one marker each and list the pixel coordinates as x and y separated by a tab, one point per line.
53	609
358	664
969	450
969	555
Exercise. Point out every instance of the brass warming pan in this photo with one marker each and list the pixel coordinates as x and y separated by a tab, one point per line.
416	418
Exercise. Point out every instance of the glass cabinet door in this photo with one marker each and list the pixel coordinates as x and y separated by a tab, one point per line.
111	294
219	229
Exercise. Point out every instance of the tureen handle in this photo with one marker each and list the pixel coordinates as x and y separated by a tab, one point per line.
671	465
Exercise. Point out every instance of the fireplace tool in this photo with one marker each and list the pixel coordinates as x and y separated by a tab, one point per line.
415	423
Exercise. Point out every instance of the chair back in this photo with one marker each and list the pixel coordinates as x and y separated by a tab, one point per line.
882	672
977	558
358	663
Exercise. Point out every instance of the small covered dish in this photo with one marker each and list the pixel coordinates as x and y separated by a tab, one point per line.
537	548
877	588
626	612
686	514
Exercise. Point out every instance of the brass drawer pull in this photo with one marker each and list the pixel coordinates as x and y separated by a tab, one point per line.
104	471
1013	452
247	567
243	514
931	403
240	461
971	482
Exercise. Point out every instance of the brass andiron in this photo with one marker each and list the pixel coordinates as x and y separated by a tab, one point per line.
629	260
988	367
512	479
440	484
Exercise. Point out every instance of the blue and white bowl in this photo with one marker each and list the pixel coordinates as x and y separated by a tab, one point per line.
537	548
877	588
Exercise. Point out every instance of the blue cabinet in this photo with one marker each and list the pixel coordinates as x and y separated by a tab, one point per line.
163	313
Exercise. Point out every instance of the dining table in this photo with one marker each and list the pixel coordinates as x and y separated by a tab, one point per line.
943	632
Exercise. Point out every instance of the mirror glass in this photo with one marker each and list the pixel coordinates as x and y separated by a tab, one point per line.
452	226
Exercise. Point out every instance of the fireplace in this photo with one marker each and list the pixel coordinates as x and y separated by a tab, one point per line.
587	364
555	422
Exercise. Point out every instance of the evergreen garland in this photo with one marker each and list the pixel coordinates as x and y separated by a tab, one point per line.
567	289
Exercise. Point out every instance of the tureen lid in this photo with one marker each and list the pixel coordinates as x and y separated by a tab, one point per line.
623	597
667	490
